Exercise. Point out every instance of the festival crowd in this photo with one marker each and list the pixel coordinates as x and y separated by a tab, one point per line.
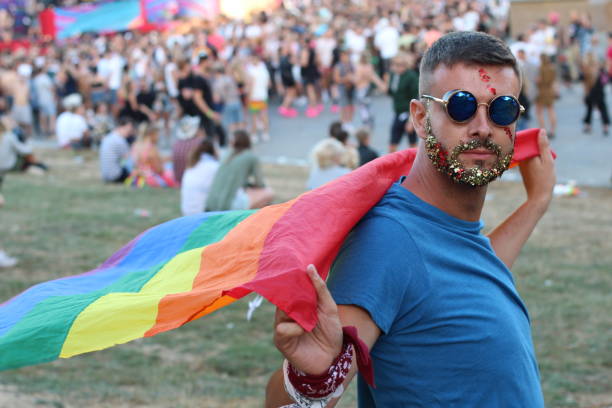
204	89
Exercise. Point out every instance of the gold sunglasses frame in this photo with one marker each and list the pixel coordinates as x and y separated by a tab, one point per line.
449	94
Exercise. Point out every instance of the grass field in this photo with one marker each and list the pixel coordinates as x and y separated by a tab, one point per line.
68	222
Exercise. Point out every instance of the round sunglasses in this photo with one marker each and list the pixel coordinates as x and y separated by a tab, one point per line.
461	106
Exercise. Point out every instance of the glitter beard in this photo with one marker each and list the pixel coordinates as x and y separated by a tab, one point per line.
452	167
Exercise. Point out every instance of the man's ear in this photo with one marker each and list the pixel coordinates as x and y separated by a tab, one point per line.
418	113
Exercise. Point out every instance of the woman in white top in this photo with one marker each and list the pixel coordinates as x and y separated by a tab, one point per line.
198	177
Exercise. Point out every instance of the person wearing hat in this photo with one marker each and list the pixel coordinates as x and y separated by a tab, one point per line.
71	127
189	136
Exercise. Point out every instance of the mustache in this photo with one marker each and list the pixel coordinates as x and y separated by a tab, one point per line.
477	143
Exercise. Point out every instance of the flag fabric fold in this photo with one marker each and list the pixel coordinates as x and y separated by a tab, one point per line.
189	267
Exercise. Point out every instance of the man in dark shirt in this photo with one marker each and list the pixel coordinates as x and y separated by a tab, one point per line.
403	87
195	95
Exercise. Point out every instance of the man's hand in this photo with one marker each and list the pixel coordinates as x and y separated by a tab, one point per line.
538	174
312	352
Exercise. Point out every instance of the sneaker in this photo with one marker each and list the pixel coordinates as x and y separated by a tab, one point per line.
292	113
283	111
6	261
312	112
335	109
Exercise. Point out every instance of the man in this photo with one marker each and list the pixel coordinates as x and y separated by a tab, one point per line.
114	149
403	87
196	97
432	297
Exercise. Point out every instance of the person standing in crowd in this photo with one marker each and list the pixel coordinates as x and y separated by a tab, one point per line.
366	153
139	101
546	84
21	109
258	81
195	95
198	177
46	100
595	80
387	41
114	152
324	48
286	63
365	76
310	76
238	183
441	315
403	86
227	94
344	77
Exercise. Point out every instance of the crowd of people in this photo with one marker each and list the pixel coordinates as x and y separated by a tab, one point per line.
133	95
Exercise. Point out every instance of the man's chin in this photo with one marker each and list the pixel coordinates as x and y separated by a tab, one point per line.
476	176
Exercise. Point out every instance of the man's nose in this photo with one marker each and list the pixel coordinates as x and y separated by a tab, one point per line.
480	126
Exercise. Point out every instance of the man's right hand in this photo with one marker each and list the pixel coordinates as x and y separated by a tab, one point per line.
311	352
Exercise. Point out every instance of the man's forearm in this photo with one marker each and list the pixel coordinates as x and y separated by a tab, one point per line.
276	396
509	237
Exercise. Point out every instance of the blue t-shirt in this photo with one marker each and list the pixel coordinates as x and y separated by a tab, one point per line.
455	332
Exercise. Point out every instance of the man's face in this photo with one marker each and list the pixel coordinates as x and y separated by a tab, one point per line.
477	151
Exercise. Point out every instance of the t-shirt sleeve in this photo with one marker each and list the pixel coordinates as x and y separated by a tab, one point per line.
370	269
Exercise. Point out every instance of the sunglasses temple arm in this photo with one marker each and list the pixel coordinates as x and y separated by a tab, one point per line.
433	98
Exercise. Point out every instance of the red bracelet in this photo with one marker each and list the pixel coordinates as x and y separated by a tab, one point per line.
321	386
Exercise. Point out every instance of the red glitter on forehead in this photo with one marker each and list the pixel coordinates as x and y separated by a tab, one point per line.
484	77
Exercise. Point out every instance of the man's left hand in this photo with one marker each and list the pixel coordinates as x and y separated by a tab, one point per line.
538	174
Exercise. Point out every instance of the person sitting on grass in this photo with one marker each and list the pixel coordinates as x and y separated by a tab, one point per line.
366	153
239	183
198	177
328	156
114	152
71	128
16	151
149	167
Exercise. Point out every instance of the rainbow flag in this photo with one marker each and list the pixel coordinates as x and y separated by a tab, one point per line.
188	267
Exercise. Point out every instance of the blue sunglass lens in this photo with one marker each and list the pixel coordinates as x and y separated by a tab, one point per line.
504	110
462	106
